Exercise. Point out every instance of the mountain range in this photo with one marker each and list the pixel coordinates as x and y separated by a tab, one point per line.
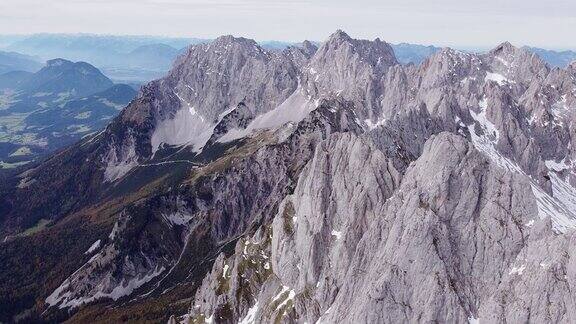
136	59
122	58
325	184
44	111
413	53
555	58
12	61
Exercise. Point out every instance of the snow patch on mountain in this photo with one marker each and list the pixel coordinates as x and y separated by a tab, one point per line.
114	231
95	246
178	218
517	270
336	234
119	164
251	316
560	206
481	118
560	109
554	207
496	77
473	320
558	166
187	127
566	194
285	295
62	296
294	109
371	125
486	145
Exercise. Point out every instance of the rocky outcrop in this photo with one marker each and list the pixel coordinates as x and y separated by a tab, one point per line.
356	244
299	240
453	212
537	287
353	69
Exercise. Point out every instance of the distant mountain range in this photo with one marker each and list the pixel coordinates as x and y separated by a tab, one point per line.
122	58
407	53
62	76
137	59
143	63
555	58
413	53
12	61
43	111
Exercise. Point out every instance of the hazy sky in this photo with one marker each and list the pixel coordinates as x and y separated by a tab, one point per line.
441	22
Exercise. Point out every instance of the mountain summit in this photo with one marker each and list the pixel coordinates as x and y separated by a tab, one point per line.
63	76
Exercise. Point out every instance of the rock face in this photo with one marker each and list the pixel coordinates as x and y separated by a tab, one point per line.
455	225
550	274
449	219
329	185
353	69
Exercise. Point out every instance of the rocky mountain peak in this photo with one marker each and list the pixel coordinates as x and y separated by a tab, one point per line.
448	67
209	82
228	40
508	51
374	52
61	65
339	36
221	50
353	69
67	78
308	47
448	54
58	62
512	62
504	48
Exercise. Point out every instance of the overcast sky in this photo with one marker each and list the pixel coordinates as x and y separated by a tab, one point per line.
461	23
